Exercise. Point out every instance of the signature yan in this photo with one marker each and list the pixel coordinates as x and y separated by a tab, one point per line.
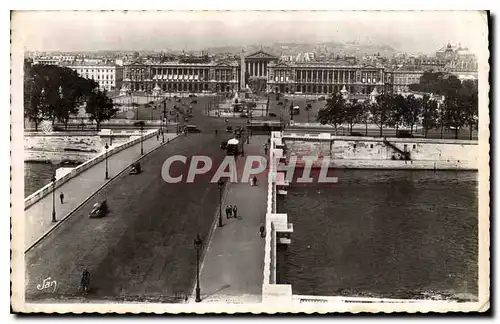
47	284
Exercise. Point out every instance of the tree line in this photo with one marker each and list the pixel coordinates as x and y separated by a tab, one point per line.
55	93
458	109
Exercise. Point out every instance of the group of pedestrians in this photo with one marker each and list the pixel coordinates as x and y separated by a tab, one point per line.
231	210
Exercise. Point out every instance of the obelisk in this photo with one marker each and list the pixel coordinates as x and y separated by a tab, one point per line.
242	70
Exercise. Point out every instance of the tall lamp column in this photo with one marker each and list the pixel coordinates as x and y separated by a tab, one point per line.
220	185
197	245
54	198
106	147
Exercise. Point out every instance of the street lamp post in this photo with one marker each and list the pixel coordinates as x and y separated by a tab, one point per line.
54	198
197	245
142	139
106	147
141	125
243	144
163	131
220	185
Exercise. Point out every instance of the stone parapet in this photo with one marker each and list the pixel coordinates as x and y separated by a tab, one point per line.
42	192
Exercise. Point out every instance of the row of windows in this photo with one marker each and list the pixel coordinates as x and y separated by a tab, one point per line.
99	77
96	70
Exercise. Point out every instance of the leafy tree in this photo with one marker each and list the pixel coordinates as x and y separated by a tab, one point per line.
469	103
365	115
429	114
381	111
71	93
53	92
438	83
398	107
412	112
334	111
100	107
454	116
353	112
34	102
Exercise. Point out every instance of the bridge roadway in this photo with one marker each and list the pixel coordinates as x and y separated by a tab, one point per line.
144	247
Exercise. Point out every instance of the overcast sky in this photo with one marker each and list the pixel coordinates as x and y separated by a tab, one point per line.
405	31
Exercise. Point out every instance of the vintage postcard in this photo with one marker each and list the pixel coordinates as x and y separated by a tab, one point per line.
250	161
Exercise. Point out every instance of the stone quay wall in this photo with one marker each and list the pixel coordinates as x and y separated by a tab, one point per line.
374	153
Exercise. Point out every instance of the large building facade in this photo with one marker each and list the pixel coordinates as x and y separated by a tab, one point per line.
108	76
226	76
279	76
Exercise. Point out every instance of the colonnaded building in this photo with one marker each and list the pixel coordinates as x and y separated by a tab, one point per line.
198	75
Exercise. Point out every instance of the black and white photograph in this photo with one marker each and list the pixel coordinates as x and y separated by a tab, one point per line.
250	161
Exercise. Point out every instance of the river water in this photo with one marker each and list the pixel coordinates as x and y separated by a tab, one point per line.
38	174
393	234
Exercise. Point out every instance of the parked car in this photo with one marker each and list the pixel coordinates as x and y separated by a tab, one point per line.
321	98
272	115
357	134
135	168
100	209
229	129
243	115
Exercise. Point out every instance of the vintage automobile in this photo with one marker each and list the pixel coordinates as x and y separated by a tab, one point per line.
229	129
135	169
100	209
192	129
223	145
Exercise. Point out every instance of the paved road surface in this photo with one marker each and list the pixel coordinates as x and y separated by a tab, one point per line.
144	247
38	217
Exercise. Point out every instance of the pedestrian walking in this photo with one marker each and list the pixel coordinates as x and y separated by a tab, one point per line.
262	230
158	136
254	179
61	196
235	211
229	211
265	150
